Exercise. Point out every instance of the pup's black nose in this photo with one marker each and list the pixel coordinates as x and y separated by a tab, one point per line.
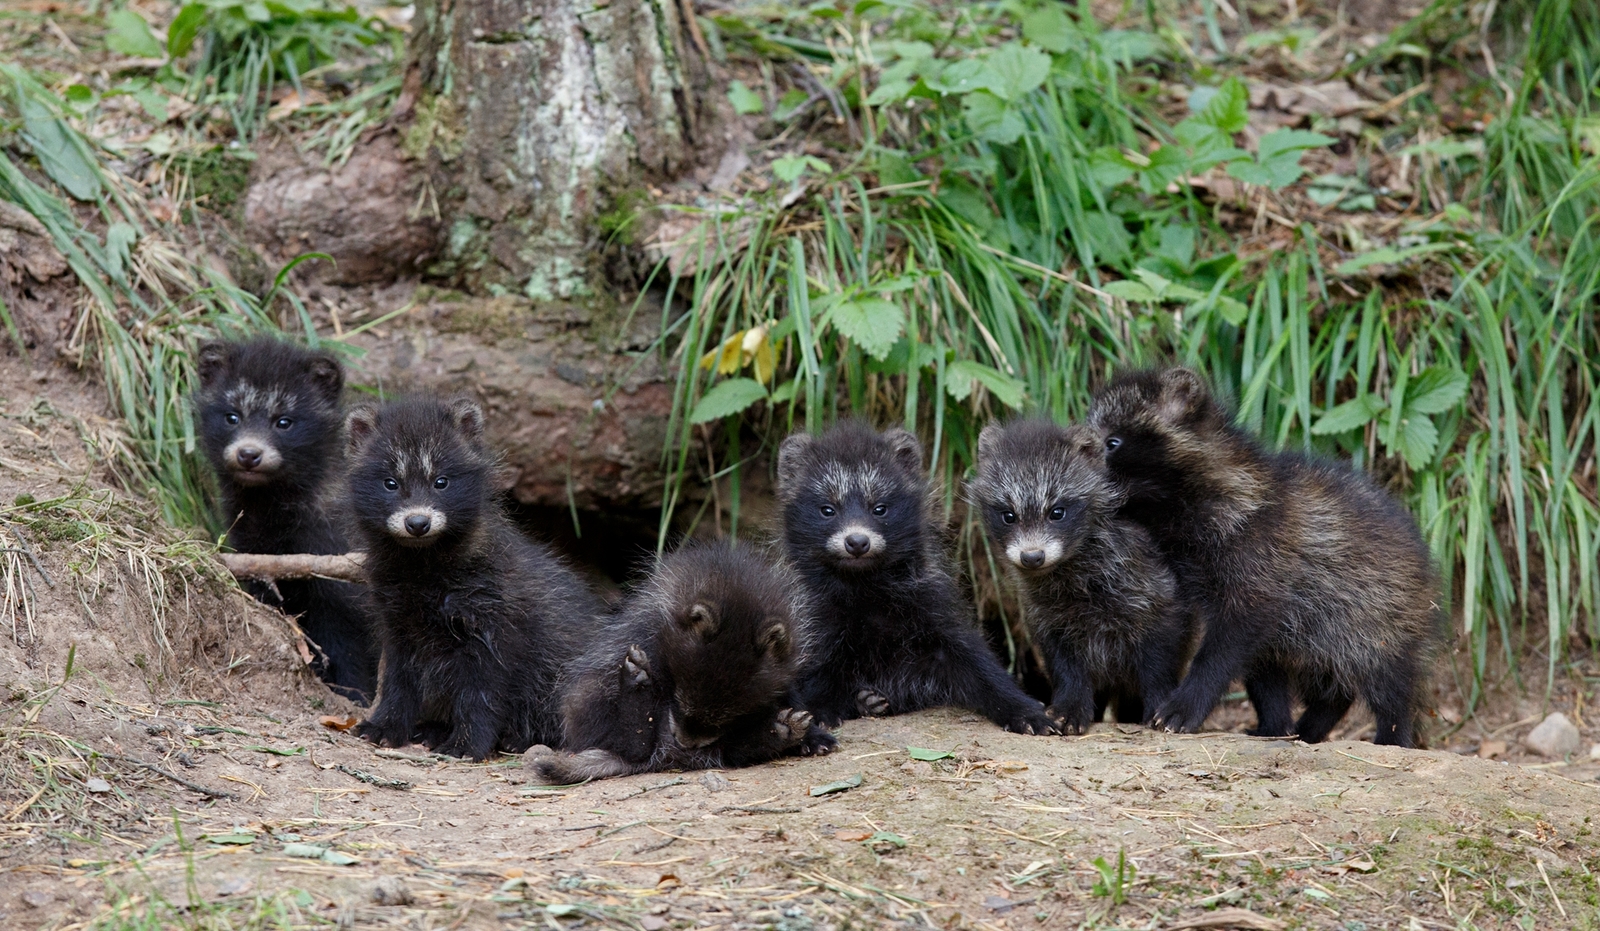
417	525
249	456
1033	559
857	544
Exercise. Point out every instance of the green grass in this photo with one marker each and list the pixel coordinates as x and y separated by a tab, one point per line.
994	232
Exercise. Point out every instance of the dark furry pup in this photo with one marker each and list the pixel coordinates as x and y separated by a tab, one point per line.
695	672
1098	599
893	632
475	620
1309	578
268	417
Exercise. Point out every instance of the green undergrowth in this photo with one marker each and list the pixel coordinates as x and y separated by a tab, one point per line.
993	214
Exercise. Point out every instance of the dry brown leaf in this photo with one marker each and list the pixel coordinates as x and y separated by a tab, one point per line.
848	835
337	723
668	881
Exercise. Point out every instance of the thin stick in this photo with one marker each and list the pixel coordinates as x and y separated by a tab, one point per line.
159	771
345	567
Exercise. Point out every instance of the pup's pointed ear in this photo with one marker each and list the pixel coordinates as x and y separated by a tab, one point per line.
698	621
1084	442
907	449
468	416
989	443
212	362
1182	394
775	640
327	375
791	460
359	426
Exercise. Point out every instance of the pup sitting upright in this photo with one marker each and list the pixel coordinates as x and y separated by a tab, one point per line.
1308	577
893	633
1098	599
268	417
695	672
475	620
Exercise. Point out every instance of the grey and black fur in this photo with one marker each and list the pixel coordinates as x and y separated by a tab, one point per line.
475	620
1098	598
1308	577
268	417
893	632
696	671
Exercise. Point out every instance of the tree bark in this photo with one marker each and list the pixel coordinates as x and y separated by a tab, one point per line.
534	115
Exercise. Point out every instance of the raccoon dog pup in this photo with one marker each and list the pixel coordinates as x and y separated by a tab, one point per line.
268	417
893	633
1096	594
694	672
1308	577
475	620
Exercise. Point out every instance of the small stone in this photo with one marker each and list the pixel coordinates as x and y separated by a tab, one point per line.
652	922
391	890
96	784
238	885
1490	749
1554	737
1594	752
37	898
715	781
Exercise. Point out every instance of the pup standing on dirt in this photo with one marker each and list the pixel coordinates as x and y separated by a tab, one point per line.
475	620
268	417
695	672
893	633
1307	575
1098	599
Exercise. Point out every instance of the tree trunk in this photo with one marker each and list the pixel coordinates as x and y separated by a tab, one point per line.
534	116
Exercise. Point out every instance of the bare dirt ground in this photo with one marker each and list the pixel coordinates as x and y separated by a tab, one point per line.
185	774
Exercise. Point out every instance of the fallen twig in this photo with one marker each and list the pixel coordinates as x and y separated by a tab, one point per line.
370	779
161	771
344	567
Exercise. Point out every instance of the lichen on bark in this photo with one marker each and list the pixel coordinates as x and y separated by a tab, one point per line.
532	113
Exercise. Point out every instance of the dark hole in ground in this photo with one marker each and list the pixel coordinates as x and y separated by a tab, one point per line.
611	548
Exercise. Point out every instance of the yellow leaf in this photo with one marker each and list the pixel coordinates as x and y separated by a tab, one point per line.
726	357
766	361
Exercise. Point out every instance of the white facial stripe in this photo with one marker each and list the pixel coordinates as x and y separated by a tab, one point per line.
1030	542
248	399
271	458
397	522
837	482
875	541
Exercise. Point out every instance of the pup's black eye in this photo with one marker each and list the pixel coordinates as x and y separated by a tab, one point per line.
232	417
1057	513
1112	442
1009	517
828	511
880	510
283	423
391	484
441	482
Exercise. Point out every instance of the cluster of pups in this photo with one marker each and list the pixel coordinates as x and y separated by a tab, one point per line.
1154	539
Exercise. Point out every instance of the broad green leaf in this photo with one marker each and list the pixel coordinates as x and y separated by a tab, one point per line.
789	103
991	118
80	97
1049	27
962	77
305	851
885	837
790	167
563	909
336	858
153	101
870	322
726	398
961	376
1285	141
1417	439
185	27
889	92
928	756
1108	237
60	153
1327	190
1350	415
129	34
238	839
120	238
1435	390
1228	109
1177	243
843	785
1109	167
745	100
1135	291
1130	45
1015	71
